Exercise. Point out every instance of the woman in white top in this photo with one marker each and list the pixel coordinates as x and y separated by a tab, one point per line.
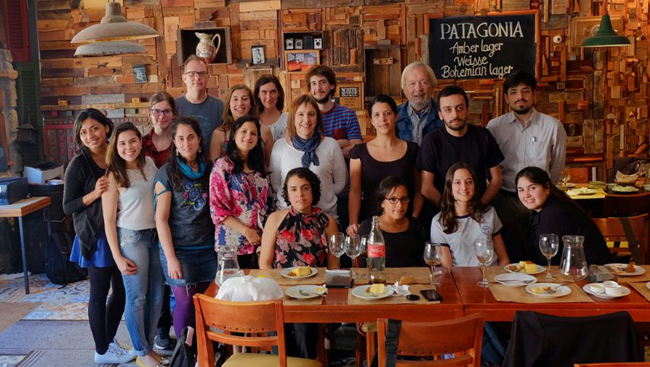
269	98
131	233
305	146
463	220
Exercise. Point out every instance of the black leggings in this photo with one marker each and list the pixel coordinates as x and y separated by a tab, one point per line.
105	317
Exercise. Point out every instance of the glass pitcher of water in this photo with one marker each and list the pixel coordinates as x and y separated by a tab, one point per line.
228	266
574	262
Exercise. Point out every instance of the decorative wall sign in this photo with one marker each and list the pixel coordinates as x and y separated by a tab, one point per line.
350	94
301	61
484	47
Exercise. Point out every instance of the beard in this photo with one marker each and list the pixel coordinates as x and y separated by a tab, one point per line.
325	99
522	110
420	105
456	128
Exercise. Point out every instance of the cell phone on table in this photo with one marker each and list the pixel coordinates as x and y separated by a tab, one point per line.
431	295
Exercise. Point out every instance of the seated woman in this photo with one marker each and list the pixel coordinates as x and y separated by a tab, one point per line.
297	236
404	236
554	212
463	220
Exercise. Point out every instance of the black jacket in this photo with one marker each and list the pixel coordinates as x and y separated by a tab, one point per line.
80	179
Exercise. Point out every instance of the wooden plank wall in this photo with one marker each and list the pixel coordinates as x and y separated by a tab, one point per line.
592	92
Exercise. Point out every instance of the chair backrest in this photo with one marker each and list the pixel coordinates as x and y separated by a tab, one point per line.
238	317
620	364
626	205
461	336
613	231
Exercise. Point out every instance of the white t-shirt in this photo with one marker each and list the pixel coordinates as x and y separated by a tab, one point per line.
461	242
278	127
331	171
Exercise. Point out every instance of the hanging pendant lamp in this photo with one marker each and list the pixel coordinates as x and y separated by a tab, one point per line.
109	48
114	27
606	36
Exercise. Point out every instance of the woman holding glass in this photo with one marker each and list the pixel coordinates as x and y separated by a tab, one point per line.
554	212
403	235
463	220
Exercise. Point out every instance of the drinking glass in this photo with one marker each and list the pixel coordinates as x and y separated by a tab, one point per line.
352	249
549	244
565	176
362	240
484	250
337	246
433	258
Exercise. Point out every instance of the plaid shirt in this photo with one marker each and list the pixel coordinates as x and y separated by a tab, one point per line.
150	150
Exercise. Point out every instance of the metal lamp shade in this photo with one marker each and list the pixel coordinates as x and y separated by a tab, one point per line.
114	27
110	48
606	36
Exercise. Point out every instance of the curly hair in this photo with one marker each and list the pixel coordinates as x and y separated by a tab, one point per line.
447	206
307	174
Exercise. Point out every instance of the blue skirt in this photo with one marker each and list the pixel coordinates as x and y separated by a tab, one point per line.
102	257
197	266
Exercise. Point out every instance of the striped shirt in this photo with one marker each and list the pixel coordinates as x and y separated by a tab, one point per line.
341	123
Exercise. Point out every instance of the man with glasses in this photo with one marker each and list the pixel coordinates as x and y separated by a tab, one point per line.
196	102
419	116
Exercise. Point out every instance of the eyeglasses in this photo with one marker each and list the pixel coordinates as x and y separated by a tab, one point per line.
193	74
403	200
157	112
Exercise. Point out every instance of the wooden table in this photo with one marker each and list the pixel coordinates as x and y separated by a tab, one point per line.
18	210
480	300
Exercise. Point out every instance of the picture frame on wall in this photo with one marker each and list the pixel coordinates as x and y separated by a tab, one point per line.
301	61
257	55
298	43
140	74
318	43
288	44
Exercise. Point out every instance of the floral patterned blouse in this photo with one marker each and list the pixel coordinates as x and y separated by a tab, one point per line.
301	240
239	195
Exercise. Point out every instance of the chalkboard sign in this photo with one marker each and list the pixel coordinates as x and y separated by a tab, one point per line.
483	47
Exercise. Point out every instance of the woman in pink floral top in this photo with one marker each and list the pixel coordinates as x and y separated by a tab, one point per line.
239	190
297	236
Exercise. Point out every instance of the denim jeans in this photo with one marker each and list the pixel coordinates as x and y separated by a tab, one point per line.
144	289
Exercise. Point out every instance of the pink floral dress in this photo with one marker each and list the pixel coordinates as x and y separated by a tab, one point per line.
301	240
240	195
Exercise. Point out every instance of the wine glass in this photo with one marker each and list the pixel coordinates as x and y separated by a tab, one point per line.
362	240
433	258
565	176
549	244
337	246
484	250
352	249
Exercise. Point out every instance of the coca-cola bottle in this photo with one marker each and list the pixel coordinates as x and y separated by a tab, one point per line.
376	253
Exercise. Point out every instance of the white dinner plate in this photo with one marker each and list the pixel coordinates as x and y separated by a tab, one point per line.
285	273
360	292
582	191
515	279
587	288
647	285
559	290
624	189
308	291
508	268
619	268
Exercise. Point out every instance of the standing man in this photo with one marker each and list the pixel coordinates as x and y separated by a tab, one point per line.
458	141
339	121
196	102
526	138
419	116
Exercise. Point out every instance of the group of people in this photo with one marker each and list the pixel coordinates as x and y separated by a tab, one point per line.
149	211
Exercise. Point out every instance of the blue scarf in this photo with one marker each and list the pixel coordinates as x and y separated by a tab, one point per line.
188	171
309	147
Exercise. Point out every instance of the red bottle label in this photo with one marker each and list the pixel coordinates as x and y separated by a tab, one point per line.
376	250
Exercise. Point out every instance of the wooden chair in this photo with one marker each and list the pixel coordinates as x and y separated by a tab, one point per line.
462	337
626	205
614	364
256	318
613	231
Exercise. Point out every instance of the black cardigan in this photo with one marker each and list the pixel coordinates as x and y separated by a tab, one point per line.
80	179
563	218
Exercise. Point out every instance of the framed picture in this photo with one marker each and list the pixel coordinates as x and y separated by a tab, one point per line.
301	61
318	43
257	54
288	44
298	44
140	74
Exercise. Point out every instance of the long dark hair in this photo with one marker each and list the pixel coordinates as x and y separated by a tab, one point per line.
307	174
255	156
383	98
538	176
447	206
115	163
200	155
90	113
264	80
387	185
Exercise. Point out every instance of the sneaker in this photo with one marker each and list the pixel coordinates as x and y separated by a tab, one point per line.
115	355
118	343
163	346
